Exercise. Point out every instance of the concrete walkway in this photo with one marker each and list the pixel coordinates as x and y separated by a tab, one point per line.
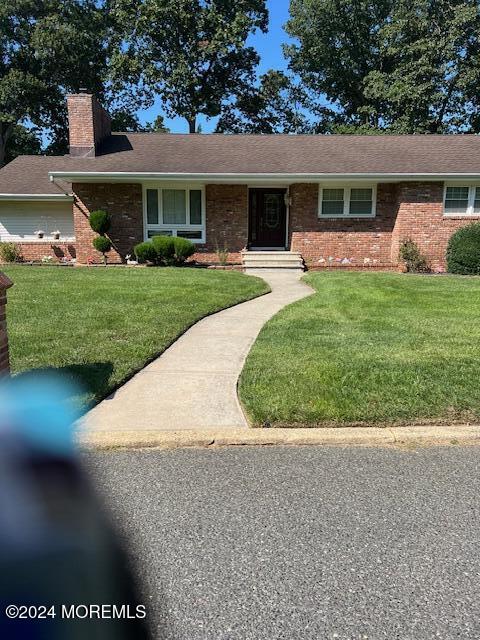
193	385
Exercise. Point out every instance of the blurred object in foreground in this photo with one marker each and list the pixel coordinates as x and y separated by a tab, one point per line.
56	545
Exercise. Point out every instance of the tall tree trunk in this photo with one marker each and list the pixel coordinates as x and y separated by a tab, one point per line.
192	125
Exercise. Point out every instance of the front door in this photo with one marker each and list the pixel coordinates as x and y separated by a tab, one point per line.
267	218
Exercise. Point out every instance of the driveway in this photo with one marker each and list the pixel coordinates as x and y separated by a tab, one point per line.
307	543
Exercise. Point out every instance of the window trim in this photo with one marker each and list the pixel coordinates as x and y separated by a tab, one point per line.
347	189
469	213
187	187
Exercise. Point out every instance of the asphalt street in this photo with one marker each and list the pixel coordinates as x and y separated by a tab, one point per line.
315	543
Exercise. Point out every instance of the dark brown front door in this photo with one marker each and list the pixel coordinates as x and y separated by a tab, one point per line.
268	218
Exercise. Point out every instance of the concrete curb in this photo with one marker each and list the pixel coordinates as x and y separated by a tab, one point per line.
363	436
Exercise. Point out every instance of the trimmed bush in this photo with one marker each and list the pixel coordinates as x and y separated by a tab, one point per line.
165	248
102	244
414	260
145	252
99	221
10	252
463	252
184	248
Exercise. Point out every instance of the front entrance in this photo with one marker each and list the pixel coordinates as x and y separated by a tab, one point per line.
267	219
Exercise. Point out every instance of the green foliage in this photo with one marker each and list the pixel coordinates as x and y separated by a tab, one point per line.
413	258
184	249
10	252
47	49
102	244
274	106
191	53
222	254
393	65
22	141
145	252
165	249
463	252
100	221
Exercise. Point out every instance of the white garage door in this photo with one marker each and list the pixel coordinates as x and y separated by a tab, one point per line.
20	220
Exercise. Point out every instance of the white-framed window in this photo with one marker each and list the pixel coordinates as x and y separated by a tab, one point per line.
174	210
341	201
461	200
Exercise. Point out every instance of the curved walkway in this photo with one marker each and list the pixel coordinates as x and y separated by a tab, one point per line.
193	385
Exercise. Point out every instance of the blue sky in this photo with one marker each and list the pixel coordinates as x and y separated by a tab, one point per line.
268	45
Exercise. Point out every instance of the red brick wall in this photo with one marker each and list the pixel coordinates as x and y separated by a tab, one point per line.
36	250
88	124
124	204
227	222
420	217
4	359
329	242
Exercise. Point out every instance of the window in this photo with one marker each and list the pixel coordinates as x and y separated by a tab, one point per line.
361	202
462	200
347	202
175	211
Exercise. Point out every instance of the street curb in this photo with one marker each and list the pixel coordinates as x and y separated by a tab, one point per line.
348	436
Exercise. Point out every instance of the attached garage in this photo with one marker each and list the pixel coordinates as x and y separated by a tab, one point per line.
21	220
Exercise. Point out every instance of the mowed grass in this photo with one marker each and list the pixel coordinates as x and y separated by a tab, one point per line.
98	326
369	348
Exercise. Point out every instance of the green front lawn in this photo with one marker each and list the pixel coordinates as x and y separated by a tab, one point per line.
98	326
369	348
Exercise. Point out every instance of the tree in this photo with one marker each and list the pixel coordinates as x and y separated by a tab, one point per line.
22	141
274	106
127	121
192	53
392	65
47	48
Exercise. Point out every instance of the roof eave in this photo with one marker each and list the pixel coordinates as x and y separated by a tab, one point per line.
251	178
43	197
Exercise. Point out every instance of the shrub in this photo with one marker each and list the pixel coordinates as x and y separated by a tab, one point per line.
99	221
10	252
102	244
184	248
222	255
463	251
414	260
165	248
145	252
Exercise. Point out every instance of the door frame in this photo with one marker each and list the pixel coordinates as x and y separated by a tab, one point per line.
276	187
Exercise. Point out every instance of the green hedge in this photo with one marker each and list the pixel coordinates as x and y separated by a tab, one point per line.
463	252
165	250
99	221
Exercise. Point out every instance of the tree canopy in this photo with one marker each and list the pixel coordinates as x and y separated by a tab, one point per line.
392	65
191	53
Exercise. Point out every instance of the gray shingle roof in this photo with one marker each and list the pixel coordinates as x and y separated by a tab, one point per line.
255	154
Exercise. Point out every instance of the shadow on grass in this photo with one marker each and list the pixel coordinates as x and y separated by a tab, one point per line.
88	382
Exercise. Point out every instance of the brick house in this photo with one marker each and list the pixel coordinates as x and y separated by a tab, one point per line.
339	201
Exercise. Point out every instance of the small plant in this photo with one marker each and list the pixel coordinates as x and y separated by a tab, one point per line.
165	248
10	252
222	255
47	259
184	249
100	222
414	261
463	251
145	252
102	244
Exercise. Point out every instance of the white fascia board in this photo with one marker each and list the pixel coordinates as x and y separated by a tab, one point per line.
252	178
39	197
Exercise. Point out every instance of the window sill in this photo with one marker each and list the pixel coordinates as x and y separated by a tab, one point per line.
469	216
369	217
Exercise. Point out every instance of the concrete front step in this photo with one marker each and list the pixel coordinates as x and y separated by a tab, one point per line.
272	260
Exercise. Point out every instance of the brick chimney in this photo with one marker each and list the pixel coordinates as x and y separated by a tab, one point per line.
88	124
